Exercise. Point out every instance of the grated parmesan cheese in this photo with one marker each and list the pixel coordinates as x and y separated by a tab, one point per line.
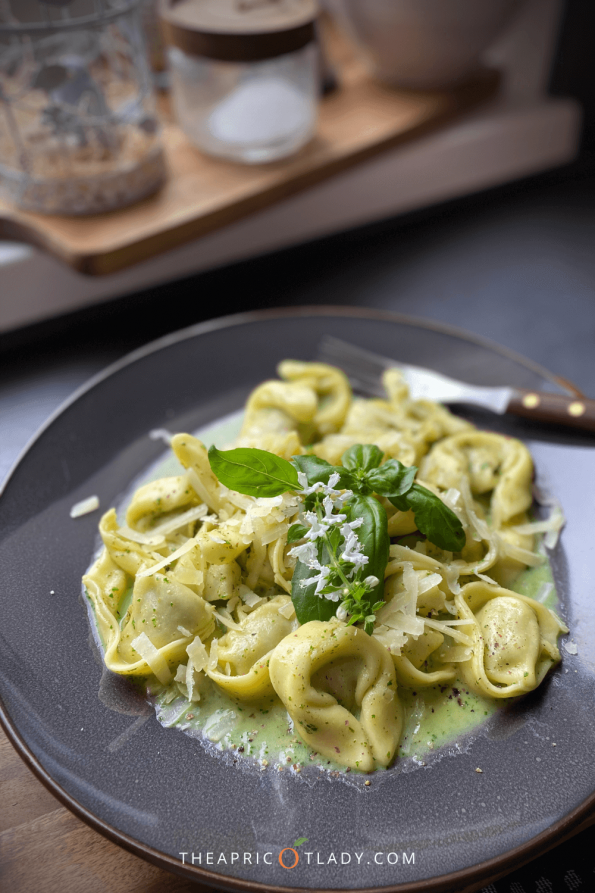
200	489
287	611
214	656
193	514
446	627
159	666
145	539
161	434
84	507
198	654
149	571
226	619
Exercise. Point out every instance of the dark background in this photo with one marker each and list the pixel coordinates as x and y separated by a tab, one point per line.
573	73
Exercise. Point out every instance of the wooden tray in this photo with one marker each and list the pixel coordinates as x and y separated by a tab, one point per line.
358	120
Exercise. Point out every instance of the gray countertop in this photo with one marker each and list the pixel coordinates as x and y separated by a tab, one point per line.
515	265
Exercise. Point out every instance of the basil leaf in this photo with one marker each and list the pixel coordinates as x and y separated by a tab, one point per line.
309	606
253	472
400	502
392	478
373	535
362	457
317	470
296	532
435	520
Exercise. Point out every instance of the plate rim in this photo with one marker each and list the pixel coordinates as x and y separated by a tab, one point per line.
472	876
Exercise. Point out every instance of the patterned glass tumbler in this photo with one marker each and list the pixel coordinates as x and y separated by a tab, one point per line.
79	132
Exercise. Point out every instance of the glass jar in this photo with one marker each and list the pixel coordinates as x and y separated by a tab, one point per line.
78	128
244	75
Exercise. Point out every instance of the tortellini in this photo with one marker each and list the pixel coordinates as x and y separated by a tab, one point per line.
245	652
167	613
311	402
492	463
339	687
194	586
410	664
514	640
154	501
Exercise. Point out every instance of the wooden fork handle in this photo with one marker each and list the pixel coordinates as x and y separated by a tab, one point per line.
575	412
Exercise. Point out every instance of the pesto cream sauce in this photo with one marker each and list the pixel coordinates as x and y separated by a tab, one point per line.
432	716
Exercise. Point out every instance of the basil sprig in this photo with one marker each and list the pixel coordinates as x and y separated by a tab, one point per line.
332	576
396	481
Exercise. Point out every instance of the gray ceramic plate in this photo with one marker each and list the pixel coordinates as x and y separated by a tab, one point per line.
156	791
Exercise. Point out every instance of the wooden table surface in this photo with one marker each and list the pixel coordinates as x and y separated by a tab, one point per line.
44	848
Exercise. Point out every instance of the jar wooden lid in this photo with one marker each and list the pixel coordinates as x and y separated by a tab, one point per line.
239	30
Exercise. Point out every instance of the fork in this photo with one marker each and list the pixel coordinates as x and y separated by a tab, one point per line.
364	370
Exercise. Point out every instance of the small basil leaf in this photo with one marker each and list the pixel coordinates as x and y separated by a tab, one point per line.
319	470
362	457
308	605
296	532
392	478
373	535
253	472
435	520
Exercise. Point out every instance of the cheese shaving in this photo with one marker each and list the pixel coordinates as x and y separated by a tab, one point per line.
84	507
274	533
158	664
445	627
198	654
213	655
487	579
145	539
226	620
149	571
193	514
161	434
523	555
550	526
201	490
249	597
287	611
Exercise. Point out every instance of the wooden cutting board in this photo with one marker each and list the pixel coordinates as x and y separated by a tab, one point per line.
357	121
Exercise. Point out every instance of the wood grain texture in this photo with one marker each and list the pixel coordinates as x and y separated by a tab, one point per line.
201	194
46	848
